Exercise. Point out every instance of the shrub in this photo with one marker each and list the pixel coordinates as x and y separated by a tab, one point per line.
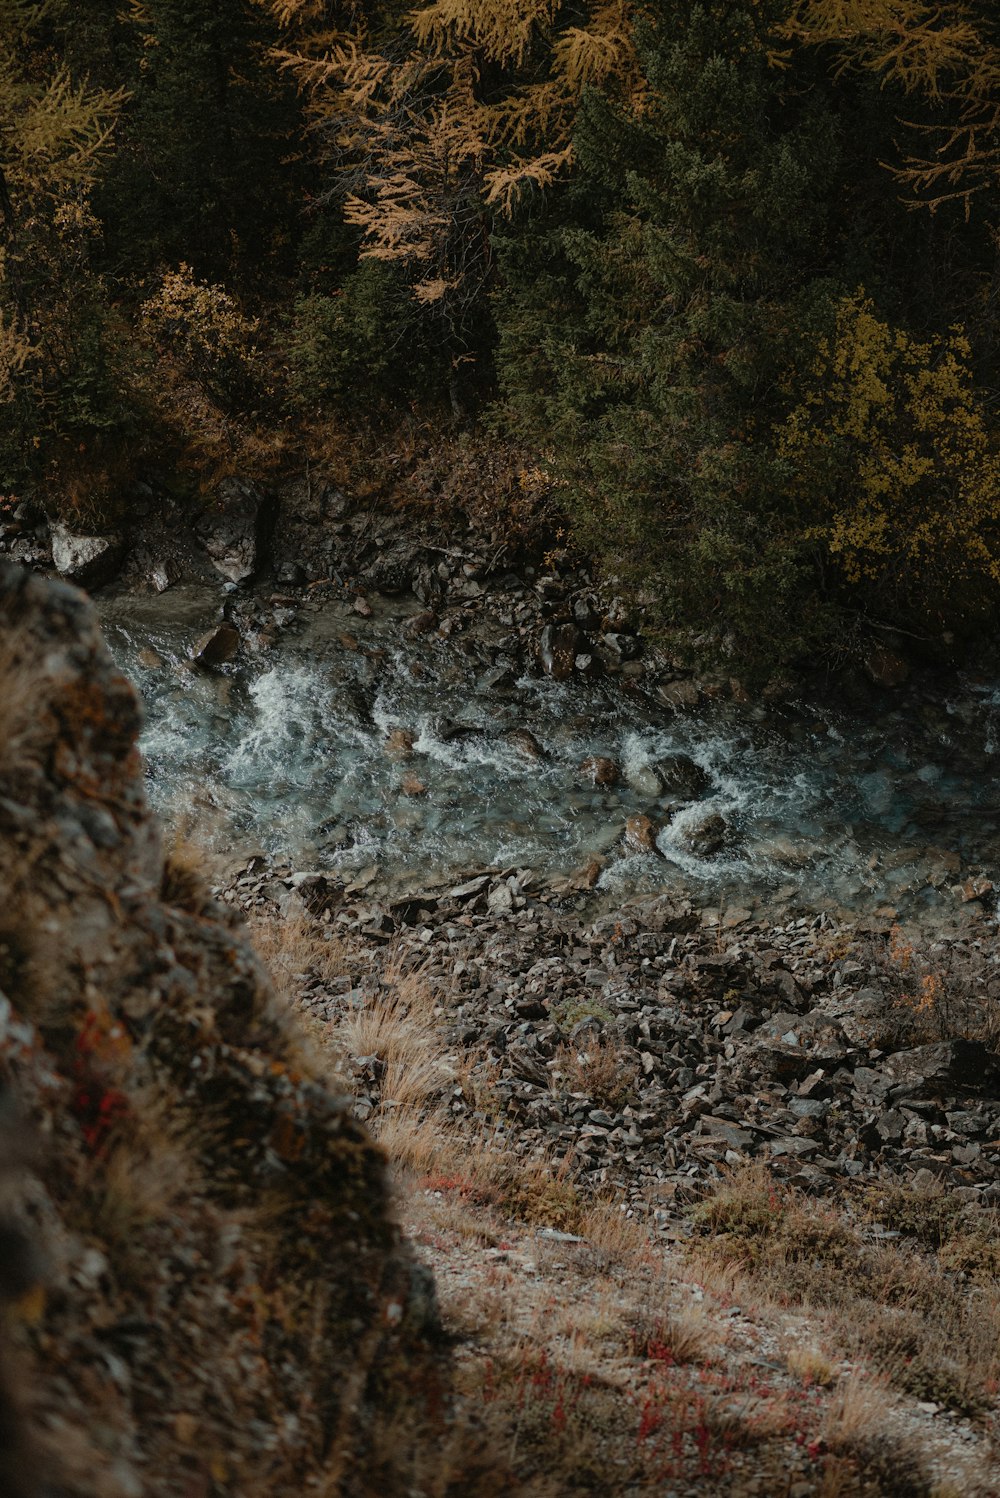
208	333
362	338
891	442
939	993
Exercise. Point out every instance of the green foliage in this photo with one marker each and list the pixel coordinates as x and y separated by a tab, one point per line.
648	347
757	383
365	338
205	173
659	319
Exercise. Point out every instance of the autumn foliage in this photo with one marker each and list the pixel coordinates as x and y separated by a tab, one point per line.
725	273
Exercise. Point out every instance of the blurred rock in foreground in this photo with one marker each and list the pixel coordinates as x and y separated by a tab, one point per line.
214	1298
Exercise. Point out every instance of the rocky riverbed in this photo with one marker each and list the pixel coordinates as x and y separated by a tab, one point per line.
360	733
362	692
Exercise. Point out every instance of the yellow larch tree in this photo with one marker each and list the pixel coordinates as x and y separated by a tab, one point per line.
431	137
947	53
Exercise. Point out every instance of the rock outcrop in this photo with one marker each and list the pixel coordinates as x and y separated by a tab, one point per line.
223	1303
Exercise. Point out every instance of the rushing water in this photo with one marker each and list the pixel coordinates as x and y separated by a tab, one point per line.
286	750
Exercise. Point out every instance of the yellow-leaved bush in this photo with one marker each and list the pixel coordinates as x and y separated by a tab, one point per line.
206	330
893	464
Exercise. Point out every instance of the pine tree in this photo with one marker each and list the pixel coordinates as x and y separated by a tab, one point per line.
201	176
653	325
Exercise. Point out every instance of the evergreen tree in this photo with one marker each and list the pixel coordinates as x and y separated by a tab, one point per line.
653	322
60	381
202	175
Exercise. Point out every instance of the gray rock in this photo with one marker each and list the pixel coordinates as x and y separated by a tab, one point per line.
707	837
558	647
291	574
524	742
947	1063
235	531
680	776
162	575
393	569
790	1045
621	647
90	561
679	694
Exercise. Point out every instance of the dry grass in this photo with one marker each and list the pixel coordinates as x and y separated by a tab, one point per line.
932	994
605	1071
616	1237
858	1425
295	949
930	1334
685	1335
810	1364
594	1348
399	1027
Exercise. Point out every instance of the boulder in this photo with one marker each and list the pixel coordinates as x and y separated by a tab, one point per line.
618	647
394	567
420	624
291	574
945	1064
679	694
236	530
640	835
131	997
217	646
89	561
428	586
791	1045
163	575
707	836
558	647
678	776
598	770
524	742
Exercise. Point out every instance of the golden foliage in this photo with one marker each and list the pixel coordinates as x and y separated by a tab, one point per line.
15	353
424	145
204	327
55	130
942	52
889	439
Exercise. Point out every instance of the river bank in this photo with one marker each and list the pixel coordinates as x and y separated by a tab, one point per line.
665	1097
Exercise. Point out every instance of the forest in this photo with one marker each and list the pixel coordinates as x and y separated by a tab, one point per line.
720	280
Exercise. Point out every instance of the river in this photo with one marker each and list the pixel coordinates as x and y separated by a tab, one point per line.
285	751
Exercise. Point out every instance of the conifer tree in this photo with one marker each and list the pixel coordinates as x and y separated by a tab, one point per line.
56	129
200	177
652	325
438	121
946	55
